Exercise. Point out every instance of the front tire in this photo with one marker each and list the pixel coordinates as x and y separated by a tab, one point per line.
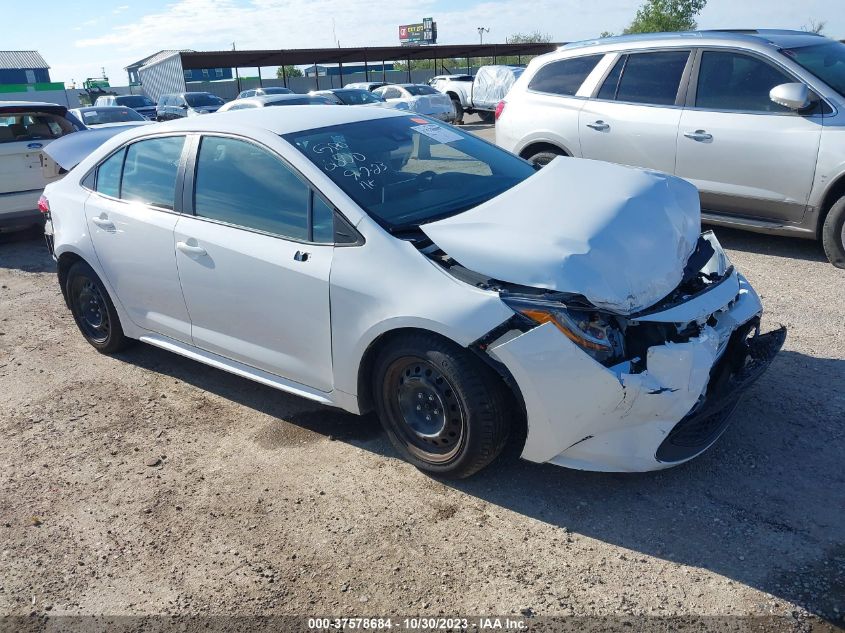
93	310
444	410
459	111
833	234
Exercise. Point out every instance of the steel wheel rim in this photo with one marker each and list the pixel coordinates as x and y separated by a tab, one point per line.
430	417
92	311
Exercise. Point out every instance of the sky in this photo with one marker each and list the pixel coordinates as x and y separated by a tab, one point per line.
81	37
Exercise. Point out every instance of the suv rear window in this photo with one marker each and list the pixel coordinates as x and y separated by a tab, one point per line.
564	77
30	126
650	78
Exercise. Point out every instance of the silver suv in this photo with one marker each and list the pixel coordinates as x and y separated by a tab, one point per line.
755	119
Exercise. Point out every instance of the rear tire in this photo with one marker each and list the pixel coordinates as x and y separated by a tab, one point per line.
833	234
93	310
487	117
459	111
444	410
541	159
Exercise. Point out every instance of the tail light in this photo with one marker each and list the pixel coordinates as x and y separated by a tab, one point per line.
500	107
43	205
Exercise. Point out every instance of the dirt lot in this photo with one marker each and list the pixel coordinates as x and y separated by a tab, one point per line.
150	484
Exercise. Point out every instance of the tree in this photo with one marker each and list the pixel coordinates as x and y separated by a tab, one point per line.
666	15
529	38
289	71
606	34
815	26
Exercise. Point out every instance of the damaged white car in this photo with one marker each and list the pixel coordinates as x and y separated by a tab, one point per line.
370	259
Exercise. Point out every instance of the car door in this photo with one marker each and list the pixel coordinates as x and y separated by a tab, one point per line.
633	116
747	155
131	218
254	274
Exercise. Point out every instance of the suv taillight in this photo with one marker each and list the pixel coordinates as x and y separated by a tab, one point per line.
43	205
500	107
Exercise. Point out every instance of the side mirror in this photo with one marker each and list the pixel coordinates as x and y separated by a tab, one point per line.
795	96
184	106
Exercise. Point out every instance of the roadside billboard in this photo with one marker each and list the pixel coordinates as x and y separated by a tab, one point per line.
421	33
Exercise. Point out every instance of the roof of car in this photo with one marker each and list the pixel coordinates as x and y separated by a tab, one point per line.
275	120
777	37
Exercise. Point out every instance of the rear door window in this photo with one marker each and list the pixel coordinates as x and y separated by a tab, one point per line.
564	77
648	78
734	81
149	172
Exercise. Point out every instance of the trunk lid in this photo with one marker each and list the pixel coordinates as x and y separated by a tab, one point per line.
620	236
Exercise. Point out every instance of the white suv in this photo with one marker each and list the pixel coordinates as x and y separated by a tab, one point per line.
755	119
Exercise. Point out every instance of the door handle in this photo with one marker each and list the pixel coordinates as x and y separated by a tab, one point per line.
103	222
600	126
699	135
190	250
301	256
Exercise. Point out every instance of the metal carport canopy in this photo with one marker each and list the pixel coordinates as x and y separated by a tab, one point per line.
307	56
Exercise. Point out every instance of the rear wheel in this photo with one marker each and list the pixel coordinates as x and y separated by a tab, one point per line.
459	111
487	117
93	310
833	234
444	410
541	159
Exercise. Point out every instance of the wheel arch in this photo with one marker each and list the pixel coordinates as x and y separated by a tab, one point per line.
64	262
835	191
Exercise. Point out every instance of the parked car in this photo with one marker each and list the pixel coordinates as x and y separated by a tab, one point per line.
97	116
185	104
480	94
26	128
755	120
350	96
458	88
460	293
418	98
260	92
142	104
274	100
366	85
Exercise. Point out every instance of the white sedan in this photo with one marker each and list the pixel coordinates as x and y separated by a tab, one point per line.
365	259
418	98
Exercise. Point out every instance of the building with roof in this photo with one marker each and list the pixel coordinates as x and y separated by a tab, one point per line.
22	68
195	74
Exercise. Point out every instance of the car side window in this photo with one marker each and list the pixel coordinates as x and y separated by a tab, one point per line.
322	220
242	184
108	175
564	77
391	93
149	172
649	78
734	81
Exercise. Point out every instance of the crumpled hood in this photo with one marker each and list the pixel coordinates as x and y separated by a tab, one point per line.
620	236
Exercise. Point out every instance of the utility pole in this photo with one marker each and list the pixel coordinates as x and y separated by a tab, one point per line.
481	31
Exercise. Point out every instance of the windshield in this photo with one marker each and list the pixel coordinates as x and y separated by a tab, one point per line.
409	170
134	101
421	90
98	116
826	61
202	99
357	97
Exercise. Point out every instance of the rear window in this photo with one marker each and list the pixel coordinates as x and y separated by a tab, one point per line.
564	77
299	101
134	101
100	116
421	90
31	126
202	99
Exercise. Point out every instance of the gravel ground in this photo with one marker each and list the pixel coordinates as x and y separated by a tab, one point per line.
149	484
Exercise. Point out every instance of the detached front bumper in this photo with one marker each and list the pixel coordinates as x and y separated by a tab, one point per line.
586	416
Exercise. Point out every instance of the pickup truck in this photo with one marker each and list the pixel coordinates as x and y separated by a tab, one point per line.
479	94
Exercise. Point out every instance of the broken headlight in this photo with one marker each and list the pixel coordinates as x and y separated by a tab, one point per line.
592	331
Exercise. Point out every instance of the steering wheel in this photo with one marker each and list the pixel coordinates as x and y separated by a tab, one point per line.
425	180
